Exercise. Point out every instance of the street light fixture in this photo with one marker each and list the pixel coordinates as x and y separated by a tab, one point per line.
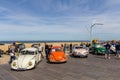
93	25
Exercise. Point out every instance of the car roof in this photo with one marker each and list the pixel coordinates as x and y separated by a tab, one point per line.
30	49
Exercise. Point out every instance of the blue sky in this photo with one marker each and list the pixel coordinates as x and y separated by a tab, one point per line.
59	19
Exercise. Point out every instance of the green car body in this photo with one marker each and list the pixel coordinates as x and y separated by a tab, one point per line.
98	49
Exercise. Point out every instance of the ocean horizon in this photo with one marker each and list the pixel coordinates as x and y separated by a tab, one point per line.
41	41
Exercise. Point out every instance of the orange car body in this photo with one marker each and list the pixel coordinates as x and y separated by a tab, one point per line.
57	55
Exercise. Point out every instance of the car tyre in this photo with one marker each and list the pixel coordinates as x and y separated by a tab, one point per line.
86	56
96	52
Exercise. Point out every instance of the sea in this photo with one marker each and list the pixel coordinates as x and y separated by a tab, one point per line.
42	41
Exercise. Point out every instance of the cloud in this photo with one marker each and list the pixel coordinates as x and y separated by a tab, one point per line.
2	9
112	2
60	25
59	17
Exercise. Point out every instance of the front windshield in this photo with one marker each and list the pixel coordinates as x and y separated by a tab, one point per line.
98	46
56	49
27	53
78	47
35	45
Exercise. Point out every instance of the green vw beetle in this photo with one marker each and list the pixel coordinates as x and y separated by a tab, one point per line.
97	49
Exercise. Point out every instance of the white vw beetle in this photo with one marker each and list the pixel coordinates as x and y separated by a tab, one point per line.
28	58
80	51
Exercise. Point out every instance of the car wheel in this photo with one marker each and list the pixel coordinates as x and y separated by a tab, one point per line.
86	56
12	69
96	52
65	62
35	65
40	58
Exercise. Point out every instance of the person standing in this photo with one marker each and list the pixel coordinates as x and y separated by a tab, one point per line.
113	47
12	55
62	47
84	45
40	49
118	50
65	48
70	48
46	51
50	47
107	54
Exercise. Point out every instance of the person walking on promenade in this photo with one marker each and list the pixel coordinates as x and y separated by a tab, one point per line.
107	54
46	51
118	50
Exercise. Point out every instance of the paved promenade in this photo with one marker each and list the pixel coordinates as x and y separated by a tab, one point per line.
4	59
95	67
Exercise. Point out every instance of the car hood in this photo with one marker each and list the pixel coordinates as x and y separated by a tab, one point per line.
23	60
101	48
58	55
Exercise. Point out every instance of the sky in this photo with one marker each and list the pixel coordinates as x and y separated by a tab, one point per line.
59	19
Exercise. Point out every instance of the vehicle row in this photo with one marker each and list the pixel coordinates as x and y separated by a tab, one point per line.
29	57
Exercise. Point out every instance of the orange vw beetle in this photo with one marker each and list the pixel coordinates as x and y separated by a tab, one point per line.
57	55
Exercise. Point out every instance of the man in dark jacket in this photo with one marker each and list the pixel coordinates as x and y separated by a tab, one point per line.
70	48
46	51
118	50
107	46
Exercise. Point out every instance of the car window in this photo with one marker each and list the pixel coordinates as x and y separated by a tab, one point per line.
35	45
79	47
27	52
58	49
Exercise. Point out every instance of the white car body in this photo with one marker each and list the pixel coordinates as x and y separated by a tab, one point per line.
28	59
80	51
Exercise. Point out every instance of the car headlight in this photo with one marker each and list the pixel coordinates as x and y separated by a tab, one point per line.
14	64
30	63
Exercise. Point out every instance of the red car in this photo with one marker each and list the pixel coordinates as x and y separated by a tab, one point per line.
57	55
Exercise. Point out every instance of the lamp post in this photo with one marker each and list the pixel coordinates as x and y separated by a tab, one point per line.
91	30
